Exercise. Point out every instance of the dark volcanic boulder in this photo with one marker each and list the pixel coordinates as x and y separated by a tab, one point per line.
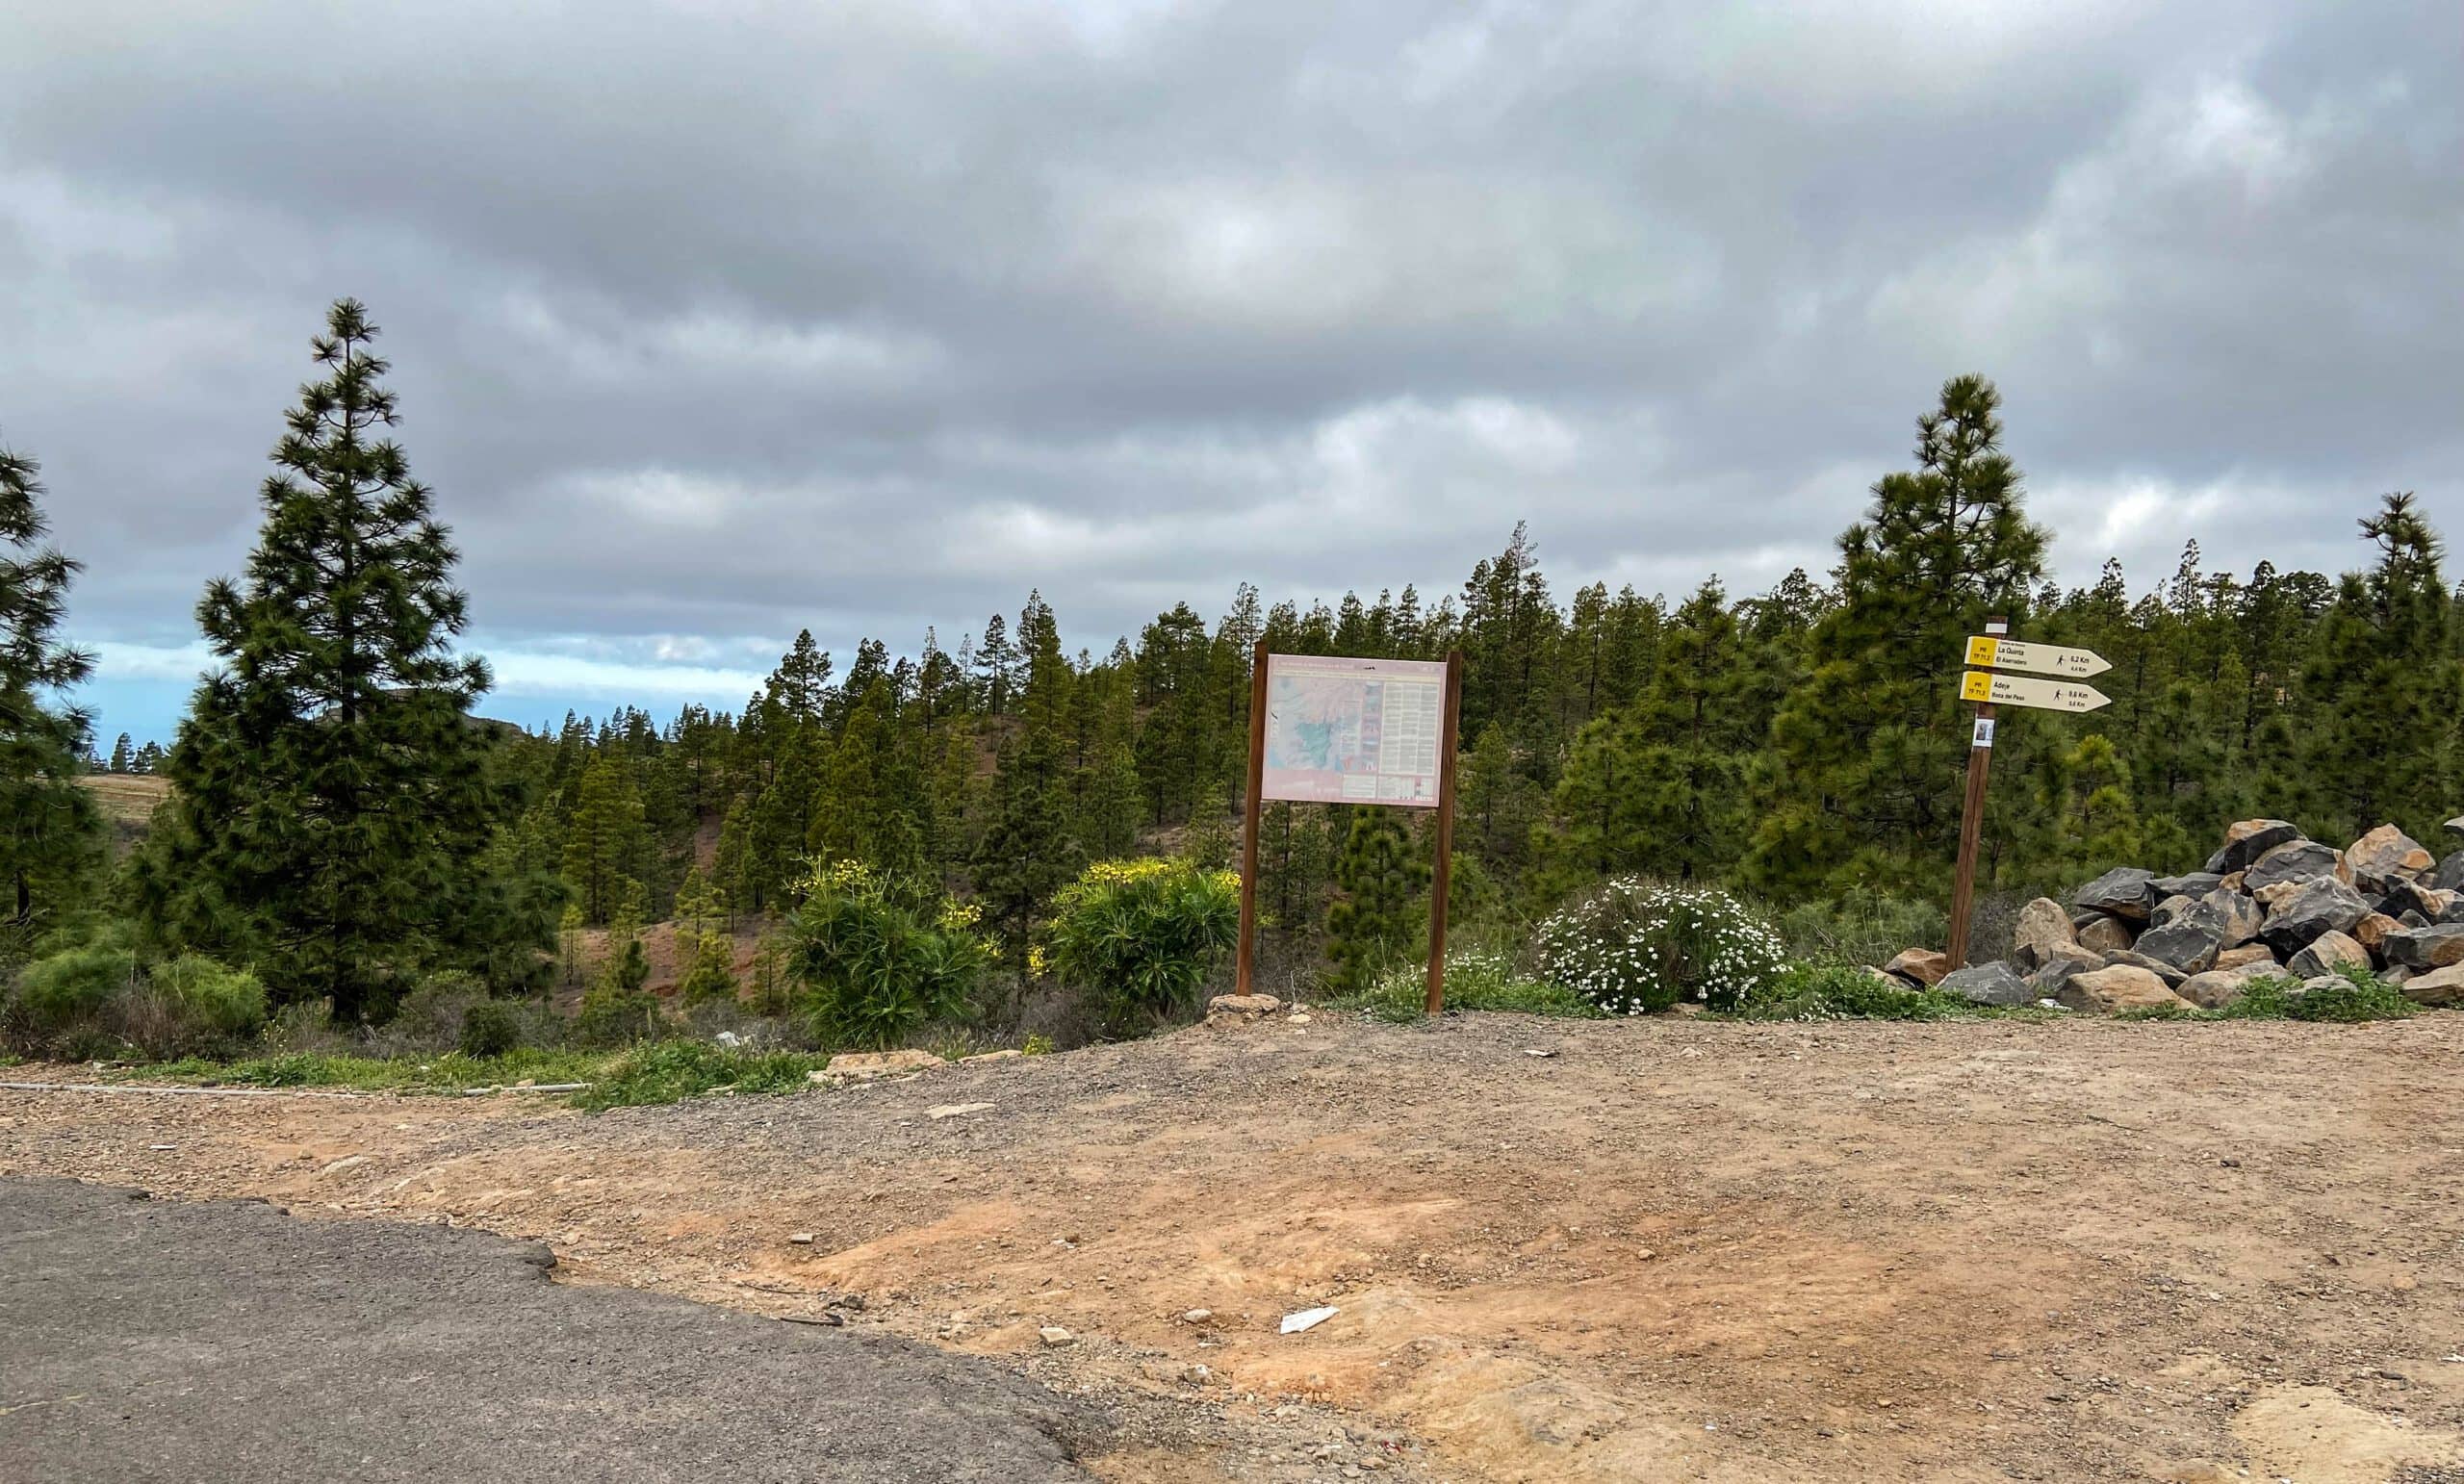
2062	963
2183	941
2448	874
2321	904
2197	883
1988	983
2300	861
2125	892
2425	948
2248	840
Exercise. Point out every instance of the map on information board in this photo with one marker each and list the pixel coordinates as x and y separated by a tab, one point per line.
1353	730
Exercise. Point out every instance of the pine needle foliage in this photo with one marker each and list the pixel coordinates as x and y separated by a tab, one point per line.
332	800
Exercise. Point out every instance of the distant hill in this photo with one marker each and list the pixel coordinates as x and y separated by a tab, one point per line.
127	801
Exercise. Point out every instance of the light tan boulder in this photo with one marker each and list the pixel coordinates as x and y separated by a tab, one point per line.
2247	956
2120	987
2372	930
2327	953
2042	926
2217	988
2438	988
2384	854
2106	935
1922	965
1237	1008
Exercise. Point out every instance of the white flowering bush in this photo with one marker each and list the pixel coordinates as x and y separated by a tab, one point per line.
1635	947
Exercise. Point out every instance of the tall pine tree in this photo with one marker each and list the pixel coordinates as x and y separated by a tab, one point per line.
48	826
332	802
1871	746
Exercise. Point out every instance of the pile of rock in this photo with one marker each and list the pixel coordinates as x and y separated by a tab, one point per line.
2270	902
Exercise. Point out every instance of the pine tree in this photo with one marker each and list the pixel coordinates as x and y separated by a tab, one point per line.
1208	841
1294	859
333	802
1658	784
1028	852
608	843
1871	747
49	829
123	757
1380	909
705	952
2382	684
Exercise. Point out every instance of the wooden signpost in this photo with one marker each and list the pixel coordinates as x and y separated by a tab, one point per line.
1992	653
1328	729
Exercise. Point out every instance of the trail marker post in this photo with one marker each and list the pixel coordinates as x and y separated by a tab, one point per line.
1990	655
1245	956
1330	730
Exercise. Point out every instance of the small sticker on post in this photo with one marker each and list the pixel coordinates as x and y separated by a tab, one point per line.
1984	733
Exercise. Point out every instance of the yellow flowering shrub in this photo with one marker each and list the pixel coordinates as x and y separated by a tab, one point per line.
1139	936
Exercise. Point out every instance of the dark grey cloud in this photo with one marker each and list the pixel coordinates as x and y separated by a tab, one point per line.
712	321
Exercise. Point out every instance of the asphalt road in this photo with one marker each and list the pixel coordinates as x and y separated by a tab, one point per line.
145	1339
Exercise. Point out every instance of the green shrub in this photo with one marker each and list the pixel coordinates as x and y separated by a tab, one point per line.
876	970
2361	995
615	1013
1835	991
1141	936
1475	979
1632	947
1860	926
56	992
227	1002
672	1071
490	1028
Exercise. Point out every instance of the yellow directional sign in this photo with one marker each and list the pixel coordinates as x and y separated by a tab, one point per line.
2019	690
2035	658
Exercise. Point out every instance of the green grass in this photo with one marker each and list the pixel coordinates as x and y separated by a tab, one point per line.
1825	992
672	1071
450	1073
2360	996
642	1076
1474	980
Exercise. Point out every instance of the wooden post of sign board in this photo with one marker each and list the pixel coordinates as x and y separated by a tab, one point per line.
1980	762
1453	712
1246	957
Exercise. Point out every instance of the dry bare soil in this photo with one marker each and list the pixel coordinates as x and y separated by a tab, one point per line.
1672	1249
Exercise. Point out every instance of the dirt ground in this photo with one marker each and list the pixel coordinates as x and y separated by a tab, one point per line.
1672	1249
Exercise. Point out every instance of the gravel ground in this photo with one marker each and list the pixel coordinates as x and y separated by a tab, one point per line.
1665	1249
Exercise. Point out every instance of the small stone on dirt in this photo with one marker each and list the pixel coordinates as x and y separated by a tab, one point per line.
955	1110
1054	1336
800	1239
858	1065
1197	1316
1308	1319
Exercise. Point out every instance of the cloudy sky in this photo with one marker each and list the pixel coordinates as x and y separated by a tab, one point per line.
715	320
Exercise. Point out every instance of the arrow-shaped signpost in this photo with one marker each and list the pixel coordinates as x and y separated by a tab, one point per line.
1991	654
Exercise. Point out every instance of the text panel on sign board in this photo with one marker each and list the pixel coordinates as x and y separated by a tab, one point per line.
2035	659
2018	690
1353	730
